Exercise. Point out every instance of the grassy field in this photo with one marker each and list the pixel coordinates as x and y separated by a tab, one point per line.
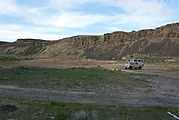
158	59
9	60
67	79
49	110
76	79
13	58
171	70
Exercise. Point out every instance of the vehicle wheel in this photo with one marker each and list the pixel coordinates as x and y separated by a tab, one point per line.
140	67
130	67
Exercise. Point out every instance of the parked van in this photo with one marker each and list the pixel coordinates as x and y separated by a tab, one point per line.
134	64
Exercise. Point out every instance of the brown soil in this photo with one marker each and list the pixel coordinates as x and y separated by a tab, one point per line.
59	63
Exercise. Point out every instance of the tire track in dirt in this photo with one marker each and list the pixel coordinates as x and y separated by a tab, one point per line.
164	92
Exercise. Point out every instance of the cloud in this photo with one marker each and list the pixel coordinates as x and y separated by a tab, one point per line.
61	16
68	19
6	35
10	27
144	13
37	11
12	32
113	29
68	4
76	20
8	7
141	14
40	29
151	7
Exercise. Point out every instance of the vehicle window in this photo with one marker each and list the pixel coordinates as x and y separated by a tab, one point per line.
130	63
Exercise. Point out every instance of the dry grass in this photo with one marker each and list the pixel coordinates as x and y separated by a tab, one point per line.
63	63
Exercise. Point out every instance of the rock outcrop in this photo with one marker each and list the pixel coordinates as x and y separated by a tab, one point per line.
82	40
164	32
2	42
24	47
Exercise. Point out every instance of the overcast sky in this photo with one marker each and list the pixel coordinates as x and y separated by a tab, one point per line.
55	19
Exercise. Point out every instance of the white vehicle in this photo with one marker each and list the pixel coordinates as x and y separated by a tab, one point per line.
134	64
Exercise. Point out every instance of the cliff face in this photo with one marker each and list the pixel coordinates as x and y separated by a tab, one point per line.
162	41
164	32
82	40
24	47
2	42
35	41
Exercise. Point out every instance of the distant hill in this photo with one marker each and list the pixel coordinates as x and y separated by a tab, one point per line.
162	41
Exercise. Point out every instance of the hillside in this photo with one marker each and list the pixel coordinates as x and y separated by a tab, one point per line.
162	41
24	47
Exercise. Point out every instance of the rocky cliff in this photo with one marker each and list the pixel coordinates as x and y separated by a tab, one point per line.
2	42
82	40
24	47
162	41
165	32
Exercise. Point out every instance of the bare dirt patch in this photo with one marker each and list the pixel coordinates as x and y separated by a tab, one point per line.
59	63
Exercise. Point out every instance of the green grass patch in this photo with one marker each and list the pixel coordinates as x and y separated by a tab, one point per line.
171	70
48	110
67	78
157	59
13	58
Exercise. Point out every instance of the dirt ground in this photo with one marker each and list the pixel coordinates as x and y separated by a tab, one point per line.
163	90
58	63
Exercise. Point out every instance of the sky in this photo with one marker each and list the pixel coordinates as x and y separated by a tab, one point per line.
56	19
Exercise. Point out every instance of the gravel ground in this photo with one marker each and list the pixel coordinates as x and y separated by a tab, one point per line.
162	92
